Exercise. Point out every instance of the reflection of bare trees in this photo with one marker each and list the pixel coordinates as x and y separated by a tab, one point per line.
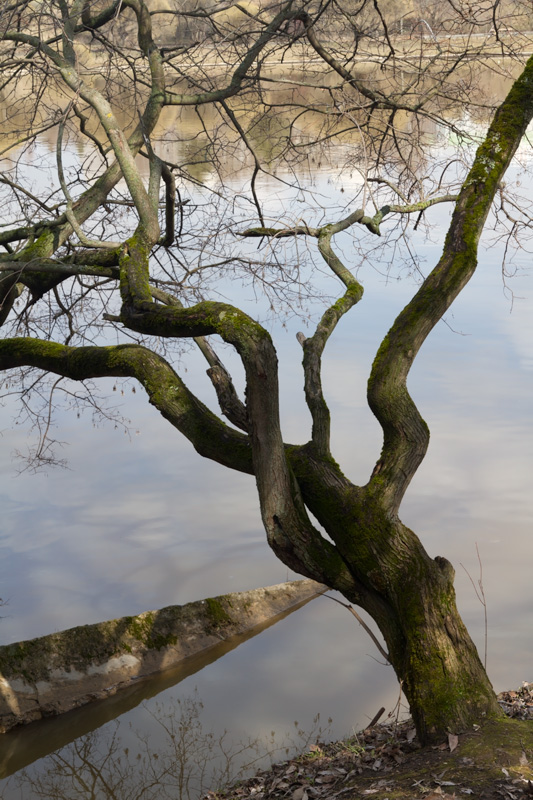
181	760
178	760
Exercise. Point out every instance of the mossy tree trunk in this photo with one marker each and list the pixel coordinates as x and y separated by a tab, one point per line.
410	596
370	556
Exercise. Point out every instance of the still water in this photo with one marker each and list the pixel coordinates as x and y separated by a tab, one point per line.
138	521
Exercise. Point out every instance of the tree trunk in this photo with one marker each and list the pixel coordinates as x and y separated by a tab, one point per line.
410	596
370	556
438	664
430	648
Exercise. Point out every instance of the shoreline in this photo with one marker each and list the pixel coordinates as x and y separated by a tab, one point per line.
386	762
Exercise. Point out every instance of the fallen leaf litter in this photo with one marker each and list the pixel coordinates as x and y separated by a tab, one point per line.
519	703
328	771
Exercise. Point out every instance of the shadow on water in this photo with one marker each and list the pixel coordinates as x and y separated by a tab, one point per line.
26	744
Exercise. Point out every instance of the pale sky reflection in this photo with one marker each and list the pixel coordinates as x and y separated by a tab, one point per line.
129	514
144	522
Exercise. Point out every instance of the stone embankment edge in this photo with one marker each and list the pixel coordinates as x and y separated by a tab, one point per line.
53	674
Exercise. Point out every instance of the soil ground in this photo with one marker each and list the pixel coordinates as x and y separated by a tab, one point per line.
494	761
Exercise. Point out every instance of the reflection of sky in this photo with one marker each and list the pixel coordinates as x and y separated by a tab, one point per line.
140	523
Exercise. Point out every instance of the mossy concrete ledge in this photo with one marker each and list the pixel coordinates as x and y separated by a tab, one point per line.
53	674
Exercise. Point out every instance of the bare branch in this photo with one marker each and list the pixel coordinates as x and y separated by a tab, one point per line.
406	435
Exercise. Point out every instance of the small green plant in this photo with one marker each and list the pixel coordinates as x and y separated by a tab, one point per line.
353	745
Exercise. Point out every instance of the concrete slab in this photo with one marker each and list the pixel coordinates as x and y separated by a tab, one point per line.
53	674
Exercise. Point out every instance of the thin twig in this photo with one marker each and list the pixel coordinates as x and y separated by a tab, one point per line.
480	594
363	624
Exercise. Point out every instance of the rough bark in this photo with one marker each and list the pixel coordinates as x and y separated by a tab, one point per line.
409	595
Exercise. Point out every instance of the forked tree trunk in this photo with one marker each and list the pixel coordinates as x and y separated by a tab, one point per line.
410	596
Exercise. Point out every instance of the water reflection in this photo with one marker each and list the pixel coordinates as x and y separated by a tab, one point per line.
66	561
25	744
174	741
187	760
308	662
184	135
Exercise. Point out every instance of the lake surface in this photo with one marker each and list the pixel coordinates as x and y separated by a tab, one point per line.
138	521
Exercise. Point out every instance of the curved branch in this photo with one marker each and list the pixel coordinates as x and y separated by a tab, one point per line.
357	216
69	212
289	530
314	346
241	72
422	205
106	15
209	436
228	400
406	435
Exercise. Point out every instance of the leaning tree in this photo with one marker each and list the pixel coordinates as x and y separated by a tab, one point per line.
108	262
